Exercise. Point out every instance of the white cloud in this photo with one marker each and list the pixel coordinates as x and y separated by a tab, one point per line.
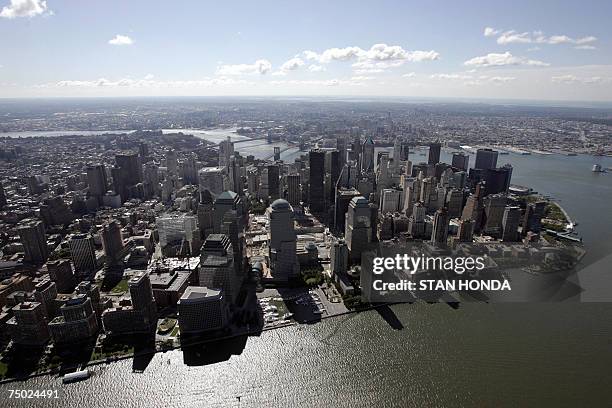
24	8
409	75
573	79
490	32
333	54
328	82
585	47
316	68
292	64
148	77
146	82
121	40
261	66
472	80
535	37
502	59
362	78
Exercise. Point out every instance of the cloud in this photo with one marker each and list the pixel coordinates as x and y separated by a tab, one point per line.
490	32
573	79
535	37
121	40
261	67
503	59
362	78
292	64
24	8
316	68
409	75
472	80
328	82
585	47
146	82
376	59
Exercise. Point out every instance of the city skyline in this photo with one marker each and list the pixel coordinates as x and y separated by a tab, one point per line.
480	50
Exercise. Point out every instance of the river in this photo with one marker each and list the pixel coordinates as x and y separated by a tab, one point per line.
548	354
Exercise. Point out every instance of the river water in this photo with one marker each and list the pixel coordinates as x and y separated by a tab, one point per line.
549	354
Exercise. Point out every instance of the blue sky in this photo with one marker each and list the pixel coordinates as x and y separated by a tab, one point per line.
548	50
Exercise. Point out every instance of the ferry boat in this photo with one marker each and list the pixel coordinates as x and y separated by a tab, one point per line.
76	376
597	168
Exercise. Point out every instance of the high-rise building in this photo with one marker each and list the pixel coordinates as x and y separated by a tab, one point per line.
83	253
179	229
112	242
78	322
227	201
474	209
339	256
294	189
434	153
226	151
2	197
532	220
32	235
60	272
205	214
461	161
217	268
439	234
143	301
276	153
343	199
486	159
342	146
358	227
172	162
212	179
335	167
282	241
273	182
201	310
510	224
498	179
28	326
390	200
97	181
454	202
151	180
465	233
45	292
316	194
367	156
132	167
494	206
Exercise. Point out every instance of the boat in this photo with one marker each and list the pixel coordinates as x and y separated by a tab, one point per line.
597	168
76	376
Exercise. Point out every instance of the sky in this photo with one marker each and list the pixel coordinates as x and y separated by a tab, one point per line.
540	50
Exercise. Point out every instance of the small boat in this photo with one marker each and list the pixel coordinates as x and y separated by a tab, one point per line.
76	376
597	168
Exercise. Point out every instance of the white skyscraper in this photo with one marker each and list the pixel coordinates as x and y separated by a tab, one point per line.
283	257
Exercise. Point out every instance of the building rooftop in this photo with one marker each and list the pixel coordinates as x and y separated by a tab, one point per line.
281	205
195	293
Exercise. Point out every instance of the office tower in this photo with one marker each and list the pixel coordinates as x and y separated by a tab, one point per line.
236	182
339	256
32	235
358	227
143	301
341	146
226	201
494	206
83	252
35	187
416	221
474	209
97	181
348	175
205	214
390	200
172	162
439	234
60	272
273	182
412	193
178	230
282	241
201	310
316	195
212	179
132	167
458	180
45	292
404	150
294	189
461	161
188	170
151	180
486	159
252	181
423	168
465	233
434	153
78	322
510	224
428	192
112	242
226	151
28	326
367	156
217	268
276	153
343	199
143	151
54	211
231	227
335	168
532	220
454	202
498	179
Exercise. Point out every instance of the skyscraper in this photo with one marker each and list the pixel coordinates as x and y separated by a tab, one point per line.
439	234
294	189
141	294
486	159
473	209
217	268
112	242
60	272
434	153
282	241
316	195
273	182
465	232
226	150
358	227
494	206
97	181
83	252
32	235
461	161
339	255
510	224
367	156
